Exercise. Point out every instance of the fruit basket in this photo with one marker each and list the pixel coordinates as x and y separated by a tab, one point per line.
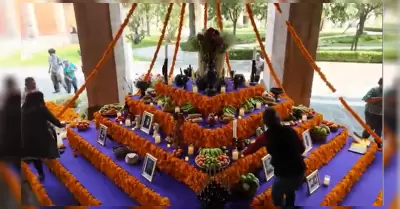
110	110
319	134
212	159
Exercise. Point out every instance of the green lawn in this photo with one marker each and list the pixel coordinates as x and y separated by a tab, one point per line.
347	40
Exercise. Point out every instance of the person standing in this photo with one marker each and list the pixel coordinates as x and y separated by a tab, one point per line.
30	86
69	76
39	139
286	149
54	70
373	109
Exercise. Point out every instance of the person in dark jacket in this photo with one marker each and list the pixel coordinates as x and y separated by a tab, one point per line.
286	149
39	139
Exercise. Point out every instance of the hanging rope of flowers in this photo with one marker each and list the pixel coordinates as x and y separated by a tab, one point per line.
314	65
221	27
178	39
160	40
101	61
205	16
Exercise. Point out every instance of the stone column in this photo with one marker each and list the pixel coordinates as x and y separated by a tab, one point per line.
95	32
294	70
11	19
29	20
59	16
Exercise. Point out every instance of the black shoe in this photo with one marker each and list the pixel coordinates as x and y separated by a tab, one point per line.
41	177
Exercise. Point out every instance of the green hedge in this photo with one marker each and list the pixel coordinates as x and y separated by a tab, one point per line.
373	29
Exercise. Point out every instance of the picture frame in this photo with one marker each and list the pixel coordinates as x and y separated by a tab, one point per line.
268	168
149	167
146	122
313	182
102	135
307	142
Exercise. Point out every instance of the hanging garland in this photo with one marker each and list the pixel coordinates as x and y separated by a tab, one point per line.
178	39
205	16
269	63
160	40
106	54
220	26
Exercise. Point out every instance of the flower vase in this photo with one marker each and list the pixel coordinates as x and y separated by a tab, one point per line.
219	64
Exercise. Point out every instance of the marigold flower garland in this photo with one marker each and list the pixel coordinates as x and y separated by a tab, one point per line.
316	159
264	53
379	199
106	54
131	186
178	39
205	16
160	40
341	189
307	55
166	161
68	116
37	188
12	181
80	193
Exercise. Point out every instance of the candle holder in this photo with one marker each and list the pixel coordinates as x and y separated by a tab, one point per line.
190	150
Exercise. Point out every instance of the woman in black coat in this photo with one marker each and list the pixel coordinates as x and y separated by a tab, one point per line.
39	139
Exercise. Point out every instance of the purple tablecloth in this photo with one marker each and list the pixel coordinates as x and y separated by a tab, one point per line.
99	185
56	190
162	183
391	180
229	87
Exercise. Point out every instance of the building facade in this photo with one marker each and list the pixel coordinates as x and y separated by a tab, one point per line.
29	20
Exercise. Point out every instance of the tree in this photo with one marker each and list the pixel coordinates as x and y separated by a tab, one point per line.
192	20
260	10
340	13
173	22
231	10
135	26
148	10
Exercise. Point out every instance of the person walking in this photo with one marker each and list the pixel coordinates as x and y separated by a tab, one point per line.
373	109
69	76
54	70
39	139
286	149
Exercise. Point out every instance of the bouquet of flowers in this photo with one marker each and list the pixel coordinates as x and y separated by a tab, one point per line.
151	81
211	43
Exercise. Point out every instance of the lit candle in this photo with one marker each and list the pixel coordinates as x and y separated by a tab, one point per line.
159	103
190	150
235	154
119	114
151	104
304	117
186	158
133	128
166	51
258	105
266	105
241	111
168	145
120	123
327	180
177	109
157	139
195	89
128	122
223	89
240	117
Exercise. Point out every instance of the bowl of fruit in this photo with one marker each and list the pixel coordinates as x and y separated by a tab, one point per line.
212	159
319	134
82	125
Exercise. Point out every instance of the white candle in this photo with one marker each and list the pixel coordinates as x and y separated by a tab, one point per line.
168	145
195	90
223	89
157	139
254	53
166	51
119	114
258	105
240	117
159	103
190	150
327	180
186	158
120	123
235	154
241	111
151	103
304	117
177	109
133	128
234	128
128	122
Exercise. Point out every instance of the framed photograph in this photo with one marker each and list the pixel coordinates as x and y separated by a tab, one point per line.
102	135
313	182
307	140
147	120
268	168
149	166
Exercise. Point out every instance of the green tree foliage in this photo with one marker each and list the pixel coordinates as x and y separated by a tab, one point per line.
173	23
260	10
341	13
136	31
231	10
